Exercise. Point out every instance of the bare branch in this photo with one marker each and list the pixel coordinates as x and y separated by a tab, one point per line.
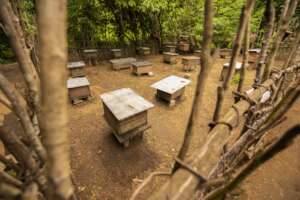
15	34
20	108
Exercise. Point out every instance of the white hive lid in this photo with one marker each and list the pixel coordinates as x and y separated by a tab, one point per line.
171	84
124	103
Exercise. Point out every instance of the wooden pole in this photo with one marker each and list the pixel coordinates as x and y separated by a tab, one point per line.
52	29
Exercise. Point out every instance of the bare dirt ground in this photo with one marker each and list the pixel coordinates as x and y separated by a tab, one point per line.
104	170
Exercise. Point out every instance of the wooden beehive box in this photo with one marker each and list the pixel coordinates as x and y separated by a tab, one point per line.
117	53
225	53
91	56
225	69
144	51
184	38
170	88
197	52
254	55
126	112
170	58
184	47
170	48
78	89
122	63
190	62
141	67
76	69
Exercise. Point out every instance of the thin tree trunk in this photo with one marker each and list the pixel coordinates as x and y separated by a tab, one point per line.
5	177
245	56
52	28
245	16
5	102
270	17
20	108
294	48
283	27
206	63
15	34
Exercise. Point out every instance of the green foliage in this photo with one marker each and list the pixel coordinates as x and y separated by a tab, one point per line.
92	22
236	79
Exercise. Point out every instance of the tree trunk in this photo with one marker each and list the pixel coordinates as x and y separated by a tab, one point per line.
283	27
52	28
270	17
245	56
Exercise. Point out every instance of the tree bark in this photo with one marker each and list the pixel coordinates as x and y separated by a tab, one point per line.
52	28
15	34
283	27
245	16
20	108
245	56
270	17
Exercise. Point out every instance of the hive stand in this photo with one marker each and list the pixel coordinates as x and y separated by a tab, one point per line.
141	67
90	56
117	53
127	114
76	69
171	89
144	51
78	89
122	63
190	62
170	58
225	69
